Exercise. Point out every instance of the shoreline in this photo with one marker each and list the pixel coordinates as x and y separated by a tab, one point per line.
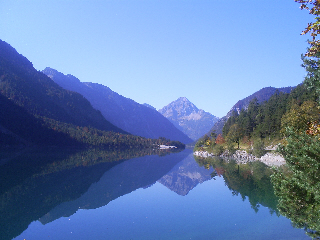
242	157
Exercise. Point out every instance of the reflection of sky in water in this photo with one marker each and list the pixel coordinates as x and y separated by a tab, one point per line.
208	211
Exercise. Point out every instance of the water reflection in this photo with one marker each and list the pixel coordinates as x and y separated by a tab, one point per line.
250	181
61	184
299	197
293	194
185	176
120	180
37	181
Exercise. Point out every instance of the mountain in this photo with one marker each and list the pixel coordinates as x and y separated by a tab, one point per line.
123	112
39	95
149	106
188	118
19	127
262	95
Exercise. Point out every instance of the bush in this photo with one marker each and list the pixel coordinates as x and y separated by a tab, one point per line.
230	147
258	148
218	150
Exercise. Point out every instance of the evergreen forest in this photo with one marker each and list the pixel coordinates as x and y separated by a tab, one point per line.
37	111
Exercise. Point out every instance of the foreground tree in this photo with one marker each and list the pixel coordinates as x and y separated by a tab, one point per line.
313	6
298	117
235	134
298	187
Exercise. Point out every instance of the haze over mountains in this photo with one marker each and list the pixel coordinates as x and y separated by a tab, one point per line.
123	112
40	110
37	110
188	118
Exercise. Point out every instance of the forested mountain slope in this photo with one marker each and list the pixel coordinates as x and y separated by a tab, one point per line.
36	110
269	118
40	96
121	111
262	95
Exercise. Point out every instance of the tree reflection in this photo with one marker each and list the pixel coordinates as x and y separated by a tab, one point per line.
250	181
298	203
298	185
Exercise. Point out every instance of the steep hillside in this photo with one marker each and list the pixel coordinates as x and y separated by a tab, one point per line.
188	118
122	112
37	111
42	97
18	127
262	95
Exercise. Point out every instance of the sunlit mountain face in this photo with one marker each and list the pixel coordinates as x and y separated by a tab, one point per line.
188	118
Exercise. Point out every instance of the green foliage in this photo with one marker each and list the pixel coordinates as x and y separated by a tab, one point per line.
258	148
313	6
218	149
250	181
298	188
235	134
313	74
298	117
264	120
230	147
206	141
22	128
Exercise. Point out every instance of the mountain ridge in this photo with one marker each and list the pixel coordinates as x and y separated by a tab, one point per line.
188	118
36	111
262	95
123	112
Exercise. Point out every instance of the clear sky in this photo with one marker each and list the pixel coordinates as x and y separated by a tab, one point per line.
155	51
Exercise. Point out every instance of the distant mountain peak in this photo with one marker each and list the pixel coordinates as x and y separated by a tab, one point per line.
183	99
135	118
182	107
188	118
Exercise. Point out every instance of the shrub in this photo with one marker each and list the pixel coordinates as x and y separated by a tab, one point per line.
218	150
230	147
258	148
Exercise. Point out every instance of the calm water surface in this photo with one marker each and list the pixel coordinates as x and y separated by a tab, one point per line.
150	197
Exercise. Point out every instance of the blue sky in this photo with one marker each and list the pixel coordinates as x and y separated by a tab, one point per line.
155	51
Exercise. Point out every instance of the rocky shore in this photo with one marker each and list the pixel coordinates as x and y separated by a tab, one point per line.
242	157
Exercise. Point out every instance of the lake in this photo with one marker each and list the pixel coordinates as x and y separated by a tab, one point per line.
98	195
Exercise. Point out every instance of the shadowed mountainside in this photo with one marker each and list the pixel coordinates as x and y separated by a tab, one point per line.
123	112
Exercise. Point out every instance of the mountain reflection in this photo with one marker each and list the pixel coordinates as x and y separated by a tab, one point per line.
51	183
120	180
185	176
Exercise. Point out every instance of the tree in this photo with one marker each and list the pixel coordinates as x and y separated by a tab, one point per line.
298	188
220	139
313	6
213	135
235	134
298	117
